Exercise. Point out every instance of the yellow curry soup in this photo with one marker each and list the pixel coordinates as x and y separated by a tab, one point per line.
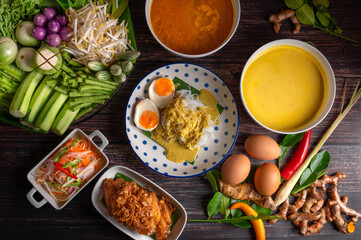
285	88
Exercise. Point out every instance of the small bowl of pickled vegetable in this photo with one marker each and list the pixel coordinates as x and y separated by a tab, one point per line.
66	170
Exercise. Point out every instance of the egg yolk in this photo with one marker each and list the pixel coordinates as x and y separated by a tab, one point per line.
148	119
164	86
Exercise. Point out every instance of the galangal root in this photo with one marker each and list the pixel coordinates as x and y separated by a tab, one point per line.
315	211
246	191
277	18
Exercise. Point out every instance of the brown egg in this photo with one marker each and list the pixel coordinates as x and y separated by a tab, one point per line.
236	169
267	179
262	147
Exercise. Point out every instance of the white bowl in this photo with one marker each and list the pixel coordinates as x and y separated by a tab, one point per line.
98	194
39	188
329	75
237	16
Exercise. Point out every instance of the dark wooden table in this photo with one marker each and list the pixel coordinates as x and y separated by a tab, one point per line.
21	149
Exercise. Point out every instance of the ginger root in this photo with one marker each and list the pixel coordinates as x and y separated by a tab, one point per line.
316	212
312	213
277	18
246	191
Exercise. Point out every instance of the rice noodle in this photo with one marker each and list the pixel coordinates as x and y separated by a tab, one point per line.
187	121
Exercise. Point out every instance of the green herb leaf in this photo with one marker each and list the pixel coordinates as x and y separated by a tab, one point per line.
305	15
294	4
338	30
327	14
214	204
333	20
322	8
320	161
225	206
311	179
265	217
305	175
180	85
291	139
288	141
119	175
237	212
242	223
119	11
322	18
261	210
324	3
330	26
212	177
284	151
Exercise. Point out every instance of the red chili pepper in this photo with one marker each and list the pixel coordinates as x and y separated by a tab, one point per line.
298	157
64	170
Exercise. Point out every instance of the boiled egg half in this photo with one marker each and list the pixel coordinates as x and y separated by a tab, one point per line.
161	92
146	115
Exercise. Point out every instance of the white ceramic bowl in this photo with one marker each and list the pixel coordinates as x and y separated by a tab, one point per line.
98	194
329	75
237	16
39	188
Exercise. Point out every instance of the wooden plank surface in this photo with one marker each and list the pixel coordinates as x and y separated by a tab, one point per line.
21	150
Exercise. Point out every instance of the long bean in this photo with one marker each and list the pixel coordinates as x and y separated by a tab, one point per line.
84	111
94	87
61	90
68	70
100	83
79	106
89	100
86	94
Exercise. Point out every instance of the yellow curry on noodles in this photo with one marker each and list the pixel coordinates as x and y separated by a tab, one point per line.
182	127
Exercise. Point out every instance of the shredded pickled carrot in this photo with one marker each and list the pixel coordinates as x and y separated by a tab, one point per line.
82	146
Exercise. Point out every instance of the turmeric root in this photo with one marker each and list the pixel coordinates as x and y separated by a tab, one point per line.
315	212
276	19
316	226
321	183
337	201
300	201
315	202
283	210
246	191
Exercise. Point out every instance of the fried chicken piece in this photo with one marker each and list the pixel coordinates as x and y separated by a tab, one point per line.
163	228
137	208
110	188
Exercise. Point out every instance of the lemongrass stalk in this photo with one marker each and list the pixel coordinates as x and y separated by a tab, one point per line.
287	187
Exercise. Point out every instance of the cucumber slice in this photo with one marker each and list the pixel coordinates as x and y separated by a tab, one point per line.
50	111
20	103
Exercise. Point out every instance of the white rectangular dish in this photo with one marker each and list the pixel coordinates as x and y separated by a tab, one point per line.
98	194
39	188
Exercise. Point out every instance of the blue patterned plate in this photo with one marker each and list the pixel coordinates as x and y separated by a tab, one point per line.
152	154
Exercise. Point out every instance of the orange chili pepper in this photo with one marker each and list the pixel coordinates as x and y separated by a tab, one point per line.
257	224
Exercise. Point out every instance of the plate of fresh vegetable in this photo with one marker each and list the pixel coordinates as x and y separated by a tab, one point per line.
62	62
